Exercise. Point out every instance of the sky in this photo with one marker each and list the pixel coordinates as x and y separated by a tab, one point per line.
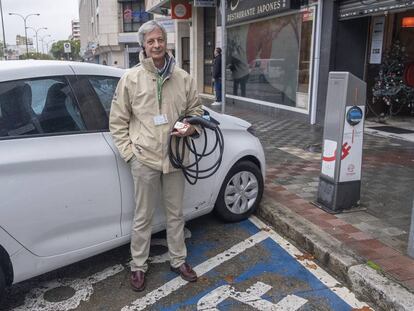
56	15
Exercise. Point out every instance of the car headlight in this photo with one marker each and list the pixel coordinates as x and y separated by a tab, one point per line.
252	130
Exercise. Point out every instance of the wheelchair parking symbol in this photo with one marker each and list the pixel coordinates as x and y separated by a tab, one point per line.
252	297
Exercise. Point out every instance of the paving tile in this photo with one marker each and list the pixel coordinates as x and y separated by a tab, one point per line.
386	184
409	284
401	274
359	236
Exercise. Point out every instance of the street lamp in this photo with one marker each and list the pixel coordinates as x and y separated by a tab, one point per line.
42	39
4	33
25	26
47	45
36	31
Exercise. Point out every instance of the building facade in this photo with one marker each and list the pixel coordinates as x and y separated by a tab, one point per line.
271	56
75	30
109	30
374	40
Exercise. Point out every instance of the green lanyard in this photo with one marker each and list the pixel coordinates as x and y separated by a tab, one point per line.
159	91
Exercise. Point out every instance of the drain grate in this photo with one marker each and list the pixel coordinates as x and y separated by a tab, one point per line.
392	129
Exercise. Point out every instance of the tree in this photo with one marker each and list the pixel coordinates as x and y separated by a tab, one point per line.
36	56
1	50
389	86
58	50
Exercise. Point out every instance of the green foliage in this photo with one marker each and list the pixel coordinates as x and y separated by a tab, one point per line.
36	56
58	51
1	50
373	265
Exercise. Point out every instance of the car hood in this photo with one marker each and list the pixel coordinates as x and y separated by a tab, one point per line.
227	121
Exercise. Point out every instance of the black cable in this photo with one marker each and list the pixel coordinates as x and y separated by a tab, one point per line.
192	171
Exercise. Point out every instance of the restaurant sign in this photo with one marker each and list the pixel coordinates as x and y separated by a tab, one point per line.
244	10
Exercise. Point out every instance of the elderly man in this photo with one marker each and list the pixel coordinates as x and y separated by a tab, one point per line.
148	100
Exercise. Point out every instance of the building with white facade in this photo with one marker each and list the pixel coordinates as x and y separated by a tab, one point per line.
75	30
108	30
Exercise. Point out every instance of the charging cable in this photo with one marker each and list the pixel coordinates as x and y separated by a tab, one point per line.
192	171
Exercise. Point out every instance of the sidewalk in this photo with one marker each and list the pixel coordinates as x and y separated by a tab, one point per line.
346	242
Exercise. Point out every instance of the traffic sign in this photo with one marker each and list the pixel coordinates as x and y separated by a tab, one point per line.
66	47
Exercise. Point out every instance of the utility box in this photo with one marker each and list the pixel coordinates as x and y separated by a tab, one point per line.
340	179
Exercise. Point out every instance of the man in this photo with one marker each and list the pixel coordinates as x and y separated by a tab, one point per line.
217	74
148	100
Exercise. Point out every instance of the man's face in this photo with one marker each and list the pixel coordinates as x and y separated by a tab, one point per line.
155	45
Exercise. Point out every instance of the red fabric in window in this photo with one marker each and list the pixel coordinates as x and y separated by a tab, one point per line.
409	74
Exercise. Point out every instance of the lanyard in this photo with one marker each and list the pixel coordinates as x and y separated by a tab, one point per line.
159	91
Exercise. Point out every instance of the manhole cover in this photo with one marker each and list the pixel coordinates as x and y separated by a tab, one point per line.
58	294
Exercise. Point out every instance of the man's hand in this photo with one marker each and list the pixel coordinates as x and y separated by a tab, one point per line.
188	130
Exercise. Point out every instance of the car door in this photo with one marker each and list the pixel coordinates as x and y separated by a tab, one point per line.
194	196
59	183
100	90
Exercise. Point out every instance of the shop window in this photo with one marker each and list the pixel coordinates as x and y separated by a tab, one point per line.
270	60
134	15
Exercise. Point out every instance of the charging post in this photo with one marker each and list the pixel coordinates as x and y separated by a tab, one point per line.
340	178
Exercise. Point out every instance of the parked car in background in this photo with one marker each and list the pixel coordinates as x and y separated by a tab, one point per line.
268	69
66	193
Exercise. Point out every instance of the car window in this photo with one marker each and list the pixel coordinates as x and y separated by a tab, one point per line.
37	106
105	89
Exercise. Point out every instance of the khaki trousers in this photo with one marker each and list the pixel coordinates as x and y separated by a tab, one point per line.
150	185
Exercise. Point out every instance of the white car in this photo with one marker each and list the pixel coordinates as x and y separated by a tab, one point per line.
65	192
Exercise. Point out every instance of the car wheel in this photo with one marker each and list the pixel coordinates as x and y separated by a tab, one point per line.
240	192
2	284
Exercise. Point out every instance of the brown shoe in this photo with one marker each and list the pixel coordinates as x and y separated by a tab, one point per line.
186	272
138	281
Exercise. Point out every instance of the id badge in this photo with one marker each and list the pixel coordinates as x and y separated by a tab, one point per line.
160	119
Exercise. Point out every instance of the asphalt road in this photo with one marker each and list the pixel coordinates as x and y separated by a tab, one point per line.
243	266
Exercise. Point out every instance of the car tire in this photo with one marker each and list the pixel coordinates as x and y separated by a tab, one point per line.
240	193
2	284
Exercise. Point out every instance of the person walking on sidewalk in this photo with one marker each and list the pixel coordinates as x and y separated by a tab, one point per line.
148	100
217	74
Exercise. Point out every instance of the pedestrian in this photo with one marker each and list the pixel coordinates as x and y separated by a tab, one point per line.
104	62
217	74
238	65
116	64
148	100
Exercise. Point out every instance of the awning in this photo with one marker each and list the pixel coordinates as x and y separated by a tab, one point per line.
358	8
157	6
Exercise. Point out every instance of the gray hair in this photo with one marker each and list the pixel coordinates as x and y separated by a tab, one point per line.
149	27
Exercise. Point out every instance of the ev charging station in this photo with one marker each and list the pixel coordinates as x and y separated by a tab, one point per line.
340	180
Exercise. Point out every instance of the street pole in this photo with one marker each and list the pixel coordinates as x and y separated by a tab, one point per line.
223	54
4	33
25	27
42	40
36	31
47	45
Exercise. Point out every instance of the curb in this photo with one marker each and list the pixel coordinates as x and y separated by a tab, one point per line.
368	284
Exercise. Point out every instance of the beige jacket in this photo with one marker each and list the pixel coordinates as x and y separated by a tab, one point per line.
141	95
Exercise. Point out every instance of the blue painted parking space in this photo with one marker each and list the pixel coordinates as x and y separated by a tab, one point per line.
264	276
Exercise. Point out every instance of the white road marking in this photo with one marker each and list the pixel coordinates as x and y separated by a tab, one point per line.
344	293
252	297
176	283
83	291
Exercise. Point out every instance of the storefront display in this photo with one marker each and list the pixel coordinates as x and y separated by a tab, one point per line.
269	60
